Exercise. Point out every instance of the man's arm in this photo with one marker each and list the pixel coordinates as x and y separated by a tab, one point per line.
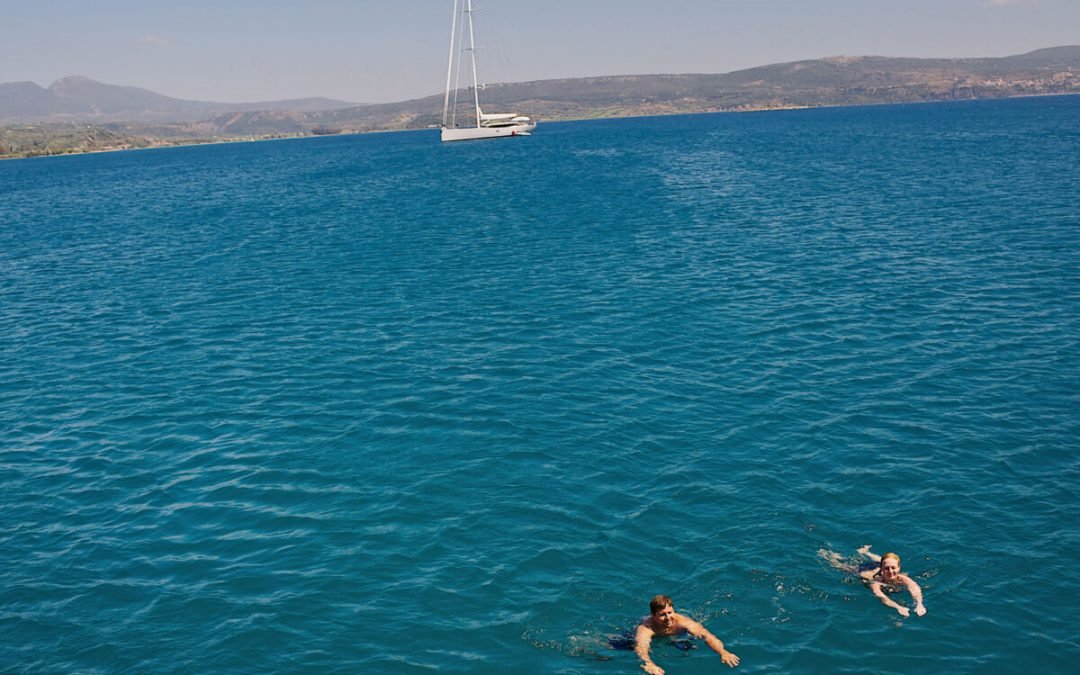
697	630
887	601
642	640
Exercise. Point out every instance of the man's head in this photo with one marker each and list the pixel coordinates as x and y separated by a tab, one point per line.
658	603
663	612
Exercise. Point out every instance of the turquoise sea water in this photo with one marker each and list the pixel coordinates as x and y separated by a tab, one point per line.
376	404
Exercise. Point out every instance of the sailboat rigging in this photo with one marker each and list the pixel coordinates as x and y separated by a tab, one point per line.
485	125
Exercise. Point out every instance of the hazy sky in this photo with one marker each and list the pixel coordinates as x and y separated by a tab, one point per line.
373	51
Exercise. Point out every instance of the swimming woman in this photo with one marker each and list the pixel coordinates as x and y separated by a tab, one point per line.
881	573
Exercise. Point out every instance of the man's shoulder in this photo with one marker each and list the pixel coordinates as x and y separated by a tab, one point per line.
685	622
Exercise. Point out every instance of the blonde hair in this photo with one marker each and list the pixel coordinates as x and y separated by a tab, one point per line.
890	554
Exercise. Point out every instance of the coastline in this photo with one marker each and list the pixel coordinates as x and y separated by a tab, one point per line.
153	144
148	142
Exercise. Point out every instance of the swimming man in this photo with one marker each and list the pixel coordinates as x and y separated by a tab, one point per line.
664	621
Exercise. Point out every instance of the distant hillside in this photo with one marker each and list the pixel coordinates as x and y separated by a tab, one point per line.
122	116
81	99
855	80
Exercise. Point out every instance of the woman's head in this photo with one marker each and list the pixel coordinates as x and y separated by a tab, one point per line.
890	566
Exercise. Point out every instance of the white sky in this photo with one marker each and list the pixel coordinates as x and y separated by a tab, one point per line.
369	51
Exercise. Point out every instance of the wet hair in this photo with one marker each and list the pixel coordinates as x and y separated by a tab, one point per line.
890	554
659	602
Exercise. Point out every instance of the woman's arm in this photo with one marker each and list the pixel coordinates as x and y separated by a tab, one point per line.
916	594
887	601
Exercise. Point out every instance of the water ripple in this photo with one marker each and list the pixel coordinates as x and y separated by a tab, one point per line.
312	405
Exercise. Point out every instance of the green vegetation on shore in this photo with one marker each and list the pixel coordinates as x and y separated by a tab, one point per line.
68	138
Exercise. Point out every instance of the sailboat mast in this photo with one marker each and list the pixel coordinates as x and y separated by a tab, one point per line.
472	54
491	125
450	64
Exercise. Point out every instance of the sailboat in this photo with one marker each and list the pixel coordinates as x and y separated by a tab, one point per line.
484	125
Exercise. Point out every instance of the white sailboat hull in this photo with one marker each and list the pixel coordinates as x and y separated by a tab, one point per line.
478	133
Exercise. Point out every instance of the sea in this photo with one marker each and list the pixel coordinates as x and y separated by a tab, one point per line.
380	404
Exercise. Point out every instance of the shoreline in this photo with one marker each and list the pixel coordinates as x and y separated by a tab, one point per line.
161	144
151	146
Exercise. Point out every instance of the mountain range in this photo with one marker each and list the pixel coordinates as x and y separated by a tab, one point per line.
81	99
132	117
